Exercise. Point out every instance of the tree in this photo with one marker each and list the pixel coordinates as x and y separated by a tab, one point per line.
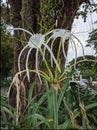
87	68
92	41
40	16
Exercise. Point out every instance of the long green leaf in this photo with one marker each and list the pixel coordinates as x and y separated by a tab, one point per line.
9	112
41	118
31	91
49	99
90	106
60	98
39	102
66	125
30	97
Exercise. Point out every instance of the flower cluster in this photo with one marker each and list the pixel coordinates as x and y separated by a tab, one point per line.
40	43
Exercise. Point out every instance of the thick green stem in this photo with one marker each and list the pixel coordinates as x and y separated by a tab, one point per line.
47	66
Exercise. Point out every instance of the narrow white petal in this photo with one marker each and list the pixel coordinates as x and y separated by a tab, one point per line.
20	57
63	42
37	66
80	44
27	70
52	56
72	41
61	31
22	29
71	44
45	47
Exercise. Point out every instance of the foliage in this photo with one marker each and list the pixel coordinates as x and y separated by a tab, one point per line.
53	95
7	115
95	67
88	7
87	68
5	83
45	112
47	19
92	40
41	114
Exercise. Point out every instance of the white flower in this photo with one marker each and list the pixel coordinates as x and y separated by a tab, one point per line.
39	41
64	35
35	42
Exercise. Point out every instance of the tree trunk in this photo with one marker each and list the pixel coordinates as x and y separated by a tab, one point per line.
25	15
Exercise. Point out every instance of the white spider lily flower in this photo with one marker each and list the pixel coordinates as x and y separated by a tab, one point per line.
64	35
58	33
35	42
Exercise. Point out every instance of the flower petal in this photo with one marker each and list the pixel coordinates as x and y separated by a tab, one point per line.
73	42
37	66
22	29
20	57
64	50
27	70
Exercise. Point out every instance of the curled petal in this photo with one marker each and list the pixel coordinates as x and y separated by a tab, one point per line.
45	46
37	66
22	29
27	70
60	33
64	50
20	57
72	41
81	45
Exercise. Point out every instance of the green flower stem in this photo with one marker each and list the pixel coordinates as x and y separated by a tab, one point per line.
47	66
58	60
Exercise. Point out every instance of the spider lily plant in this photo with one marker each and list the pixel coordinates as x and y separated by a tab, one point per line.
40	43
36	41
